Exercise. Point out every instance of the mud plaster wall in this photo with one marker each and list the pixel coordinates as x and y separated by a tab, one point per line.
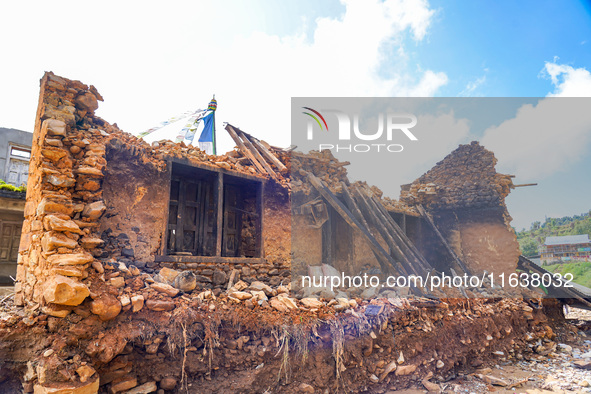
133	224
307	249
277	225
488	243
136	197
307	245
481	238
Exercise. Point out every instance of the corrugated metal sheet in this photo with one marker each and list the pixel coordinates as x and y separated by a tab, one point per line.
567	240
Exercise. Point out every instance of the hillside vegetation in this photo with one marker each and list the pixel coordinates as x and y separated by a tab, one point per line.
531	240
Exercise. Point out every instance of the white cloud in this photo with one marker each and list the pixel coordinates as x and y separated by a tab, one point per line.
151	61
568	81
552	135
472	86
427	86
542	139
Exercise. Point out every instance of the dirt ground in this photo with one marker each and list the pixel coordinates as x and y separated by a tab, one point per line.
553	373
216	346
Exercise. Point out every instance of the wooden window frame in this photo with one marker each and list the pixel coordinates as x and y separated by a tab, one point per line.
221	177
13	243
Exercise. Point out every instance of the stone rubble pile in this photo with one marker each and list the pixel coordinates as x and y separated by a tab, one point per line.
322	164
548	365
466	178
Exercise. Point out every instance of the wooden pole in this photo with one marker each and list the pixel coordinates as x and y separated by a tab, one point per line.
244	149
405	241
219	197
357	212
353	205
256	154
266	152
526	184
368	210
350	219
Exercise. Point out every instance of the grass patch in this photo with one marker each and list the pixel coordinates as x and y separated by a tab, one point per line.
581	271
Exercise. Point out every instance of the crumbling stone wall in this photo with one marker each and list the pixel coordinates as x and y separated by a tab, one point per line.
64	200
466	197
87	254
466	178
98	195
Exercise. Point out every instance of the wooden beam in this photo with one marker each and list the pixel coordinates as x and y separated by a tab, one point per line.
244	149
214	168
208	259
260	206
429	220
219	197
416	264
164	237
256	153
405	241
357	212
368	210
350	219
403	225
353	206
526	184
265	152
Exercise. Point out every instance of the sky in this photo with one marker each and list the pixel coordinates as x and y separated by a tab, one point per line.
154	60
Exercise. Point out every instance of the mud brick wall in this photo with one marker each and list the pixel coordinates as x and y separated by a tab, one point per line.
482	239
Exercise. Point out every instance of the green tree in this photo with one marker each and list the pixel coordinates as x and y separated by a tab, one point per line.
583	227
528	246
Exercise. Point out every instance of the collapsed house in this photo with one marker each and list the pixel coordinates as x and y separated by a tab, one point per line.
160	267
99	194
452	219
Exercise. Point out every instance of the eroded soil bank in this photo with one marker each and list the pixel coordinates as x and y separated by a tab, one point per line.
211	345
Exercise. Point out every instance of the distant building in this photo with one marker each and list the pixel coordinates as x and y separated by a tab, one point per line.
15	152
566	248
